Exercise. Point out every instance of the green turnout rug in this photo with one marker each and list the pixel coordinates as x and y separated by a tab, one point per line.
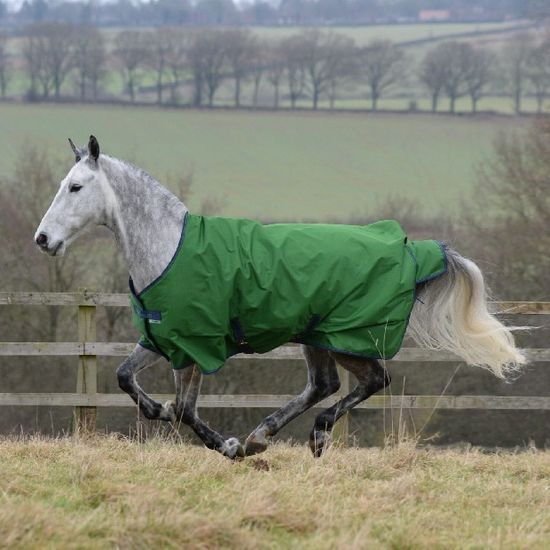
235	285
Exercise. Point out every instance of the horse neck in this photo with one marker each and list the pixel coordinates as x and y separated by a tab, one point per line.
146	219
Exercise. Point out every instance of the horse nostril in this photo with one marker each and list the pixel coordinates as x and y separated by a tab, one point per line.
42	240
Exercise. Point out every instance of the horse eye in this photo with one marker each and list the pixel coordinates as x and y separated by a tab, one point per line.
73	188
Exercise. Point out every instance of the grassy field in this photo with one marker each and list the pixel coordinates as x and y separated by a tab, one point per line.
274	165
396	33
113	493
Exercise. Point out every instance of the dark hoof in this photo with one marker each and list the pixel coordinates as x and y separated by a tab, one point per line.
254	446
318	442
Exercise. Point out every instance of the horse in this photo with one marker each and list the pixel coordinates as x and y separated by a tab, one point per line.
446	311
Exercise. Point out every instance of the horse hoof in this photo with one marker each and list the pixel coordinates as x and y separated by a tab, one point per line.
318	442
254	445
232	448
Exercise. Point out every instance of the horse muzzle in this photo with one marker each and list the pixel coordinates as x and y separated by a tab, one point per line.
45	245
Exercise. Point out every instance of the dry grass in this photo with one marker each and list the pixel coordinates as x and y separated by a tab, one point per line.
107	492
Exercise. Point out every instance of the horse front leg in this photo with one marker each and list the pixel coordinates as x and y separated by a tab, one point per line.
139	359
188	385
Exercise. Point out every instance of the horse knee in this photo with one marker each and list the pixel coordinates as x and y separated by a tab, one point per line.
125	378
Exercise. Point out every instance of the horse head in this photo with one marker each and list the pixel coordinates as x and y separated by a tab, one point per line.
80	202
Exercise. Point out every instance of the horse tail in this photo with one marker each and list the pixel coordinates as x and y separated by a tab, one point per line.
451	314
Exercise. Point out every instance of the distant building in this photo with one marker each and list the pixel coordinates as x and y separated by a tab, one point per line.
434	15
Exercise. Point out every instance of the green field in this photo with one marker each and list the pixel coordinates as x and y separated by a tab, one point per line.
114	493
396	33
275	165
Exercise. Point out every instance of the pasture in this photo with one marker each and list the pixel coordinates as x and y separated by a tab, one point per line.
274	166
398	33
110	492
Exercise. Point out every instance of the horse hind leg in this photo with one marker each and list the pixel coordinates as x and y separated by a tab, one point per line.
371	378
322	381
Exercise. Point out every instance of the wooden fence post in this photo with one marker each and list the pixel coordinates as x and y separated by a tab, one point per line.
86	381
340	432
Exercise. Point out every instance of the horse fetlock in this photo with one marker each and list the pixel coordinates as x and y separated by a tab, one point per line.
156	411
232	448
169	411
319	440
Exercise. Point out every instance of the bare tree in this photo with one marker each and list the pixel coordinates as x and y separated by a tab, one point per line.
90	60
538	72
131	50
214	66
160	45
48	54
383	66
207	59
259	63
344	67
275	68
176	60
479	72
432	74
5	66
97	65
515	204
322	57
515	58
240	46
457	56
196	58
35	62
59	40
294	68
310	53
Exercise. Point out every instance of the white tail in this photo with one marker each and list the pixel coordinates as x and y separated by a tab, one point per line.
451	314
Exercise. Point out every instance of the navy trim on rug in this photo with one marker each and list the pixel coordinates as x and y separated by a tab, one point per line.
180	244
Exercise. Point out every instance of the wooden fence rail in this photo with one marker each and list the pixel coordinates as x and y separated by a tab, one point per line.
86	399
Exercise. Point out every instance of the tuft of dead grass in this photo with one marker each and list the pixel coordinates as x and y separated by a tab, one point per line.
107	492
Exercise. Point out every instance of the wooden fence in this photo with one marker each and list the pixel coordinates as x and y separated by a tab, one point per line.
86	398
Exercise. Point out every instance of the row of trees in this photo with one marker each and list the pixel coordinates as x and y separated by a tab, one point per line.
458	69
259	12
312	64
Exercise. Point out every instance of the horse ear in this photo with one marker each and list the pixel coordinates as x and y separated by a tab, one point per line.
93	148
75	150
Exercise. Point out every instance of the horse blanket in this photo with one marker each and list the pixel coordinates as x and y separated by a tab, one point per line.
235	285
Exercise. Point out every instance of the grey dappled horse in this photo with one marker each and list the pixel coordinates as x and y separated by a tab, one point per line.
146	220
